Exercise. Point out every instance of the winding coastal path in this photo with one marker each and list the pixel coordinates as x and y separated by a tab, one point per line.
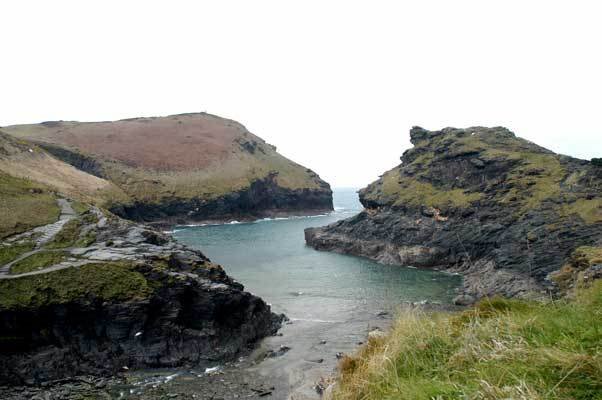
45	234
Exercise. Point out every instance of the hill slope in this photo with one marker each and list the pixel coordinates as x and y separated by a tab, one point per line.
31	179
502	211
187	167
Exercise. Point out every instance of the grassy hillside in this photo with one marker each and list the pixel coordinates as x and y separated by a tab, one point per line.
26	161
180	156
500	349
24	205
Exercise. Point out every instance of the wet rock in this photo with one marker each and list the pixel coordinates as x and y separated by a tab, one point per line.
463	300
277	353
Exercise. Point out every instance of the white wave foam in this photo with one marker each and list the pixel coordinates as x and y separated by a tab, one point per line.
324	321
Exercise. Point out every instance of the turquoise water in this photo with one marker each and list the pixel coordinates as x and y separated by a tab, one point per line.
271	259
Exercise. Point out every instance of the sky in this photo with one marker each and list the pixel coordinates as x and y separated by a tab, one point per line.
335	85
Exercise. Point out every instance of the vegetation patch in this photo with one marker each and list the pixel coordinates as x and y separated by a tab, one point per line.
67	236
589	210
79	207
37	261
87	239
501	349
10	252
408	191
24	205
100	281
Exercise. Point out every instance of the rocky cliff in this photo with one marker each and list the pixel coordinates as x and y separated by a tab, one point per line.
496	208
94	294
183	168
83	291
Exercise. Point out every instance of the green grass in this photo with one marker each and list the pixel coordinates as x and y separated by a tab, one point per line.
87	239
501	349
24	205
105	282
589	210
410	191
79	207
37	262
8	253
67	236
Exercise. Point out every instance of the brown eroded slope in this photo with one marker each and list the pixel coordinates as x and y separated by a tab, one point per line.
184	167
22	159
174	143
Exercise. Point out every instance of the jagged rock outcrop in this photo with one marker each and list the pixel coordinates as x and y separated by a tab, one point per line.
95	294
183	168
500	210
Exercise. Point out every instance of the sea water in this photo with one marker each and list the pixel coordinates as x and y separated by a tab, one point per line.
271	259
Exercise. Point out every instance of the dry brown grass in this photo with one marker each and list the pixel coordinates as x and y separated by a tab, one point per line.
501	349
185	156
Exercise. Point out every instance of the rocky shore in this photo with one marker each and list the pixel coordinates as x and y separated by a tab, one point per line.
94	294
502	211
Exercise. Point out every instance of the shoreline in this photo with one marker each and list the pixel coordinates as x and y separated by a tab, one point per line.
293	374
171	223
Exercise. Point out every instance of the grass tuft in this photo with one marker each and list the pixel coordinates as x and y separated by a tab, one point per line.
37	261
10	252
501	349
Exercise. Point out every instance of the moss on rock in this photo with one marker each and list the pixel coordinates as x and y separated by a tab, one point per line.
37	261
98	281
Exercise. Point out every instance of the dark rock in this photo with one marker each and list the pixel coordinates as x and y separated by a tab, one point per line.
277	353
263	198
463	300
191	313
501	211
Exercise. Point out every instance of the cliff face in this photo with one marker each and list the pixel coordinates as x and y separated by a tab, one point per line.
187	167
500	210
92	294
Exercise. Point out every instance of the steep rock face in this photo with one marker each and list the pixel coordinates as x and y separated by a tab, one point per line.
502	211
183	167
102	294
263	198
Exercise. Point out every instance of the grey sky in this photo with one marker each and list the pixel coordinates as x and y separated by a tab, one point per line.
335	85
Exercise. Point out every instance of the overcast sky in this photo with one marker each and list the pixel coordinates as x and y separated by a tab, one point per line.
335	85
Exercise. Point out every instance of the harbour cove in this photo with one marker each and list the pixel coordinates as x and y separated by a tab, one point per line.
332	300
